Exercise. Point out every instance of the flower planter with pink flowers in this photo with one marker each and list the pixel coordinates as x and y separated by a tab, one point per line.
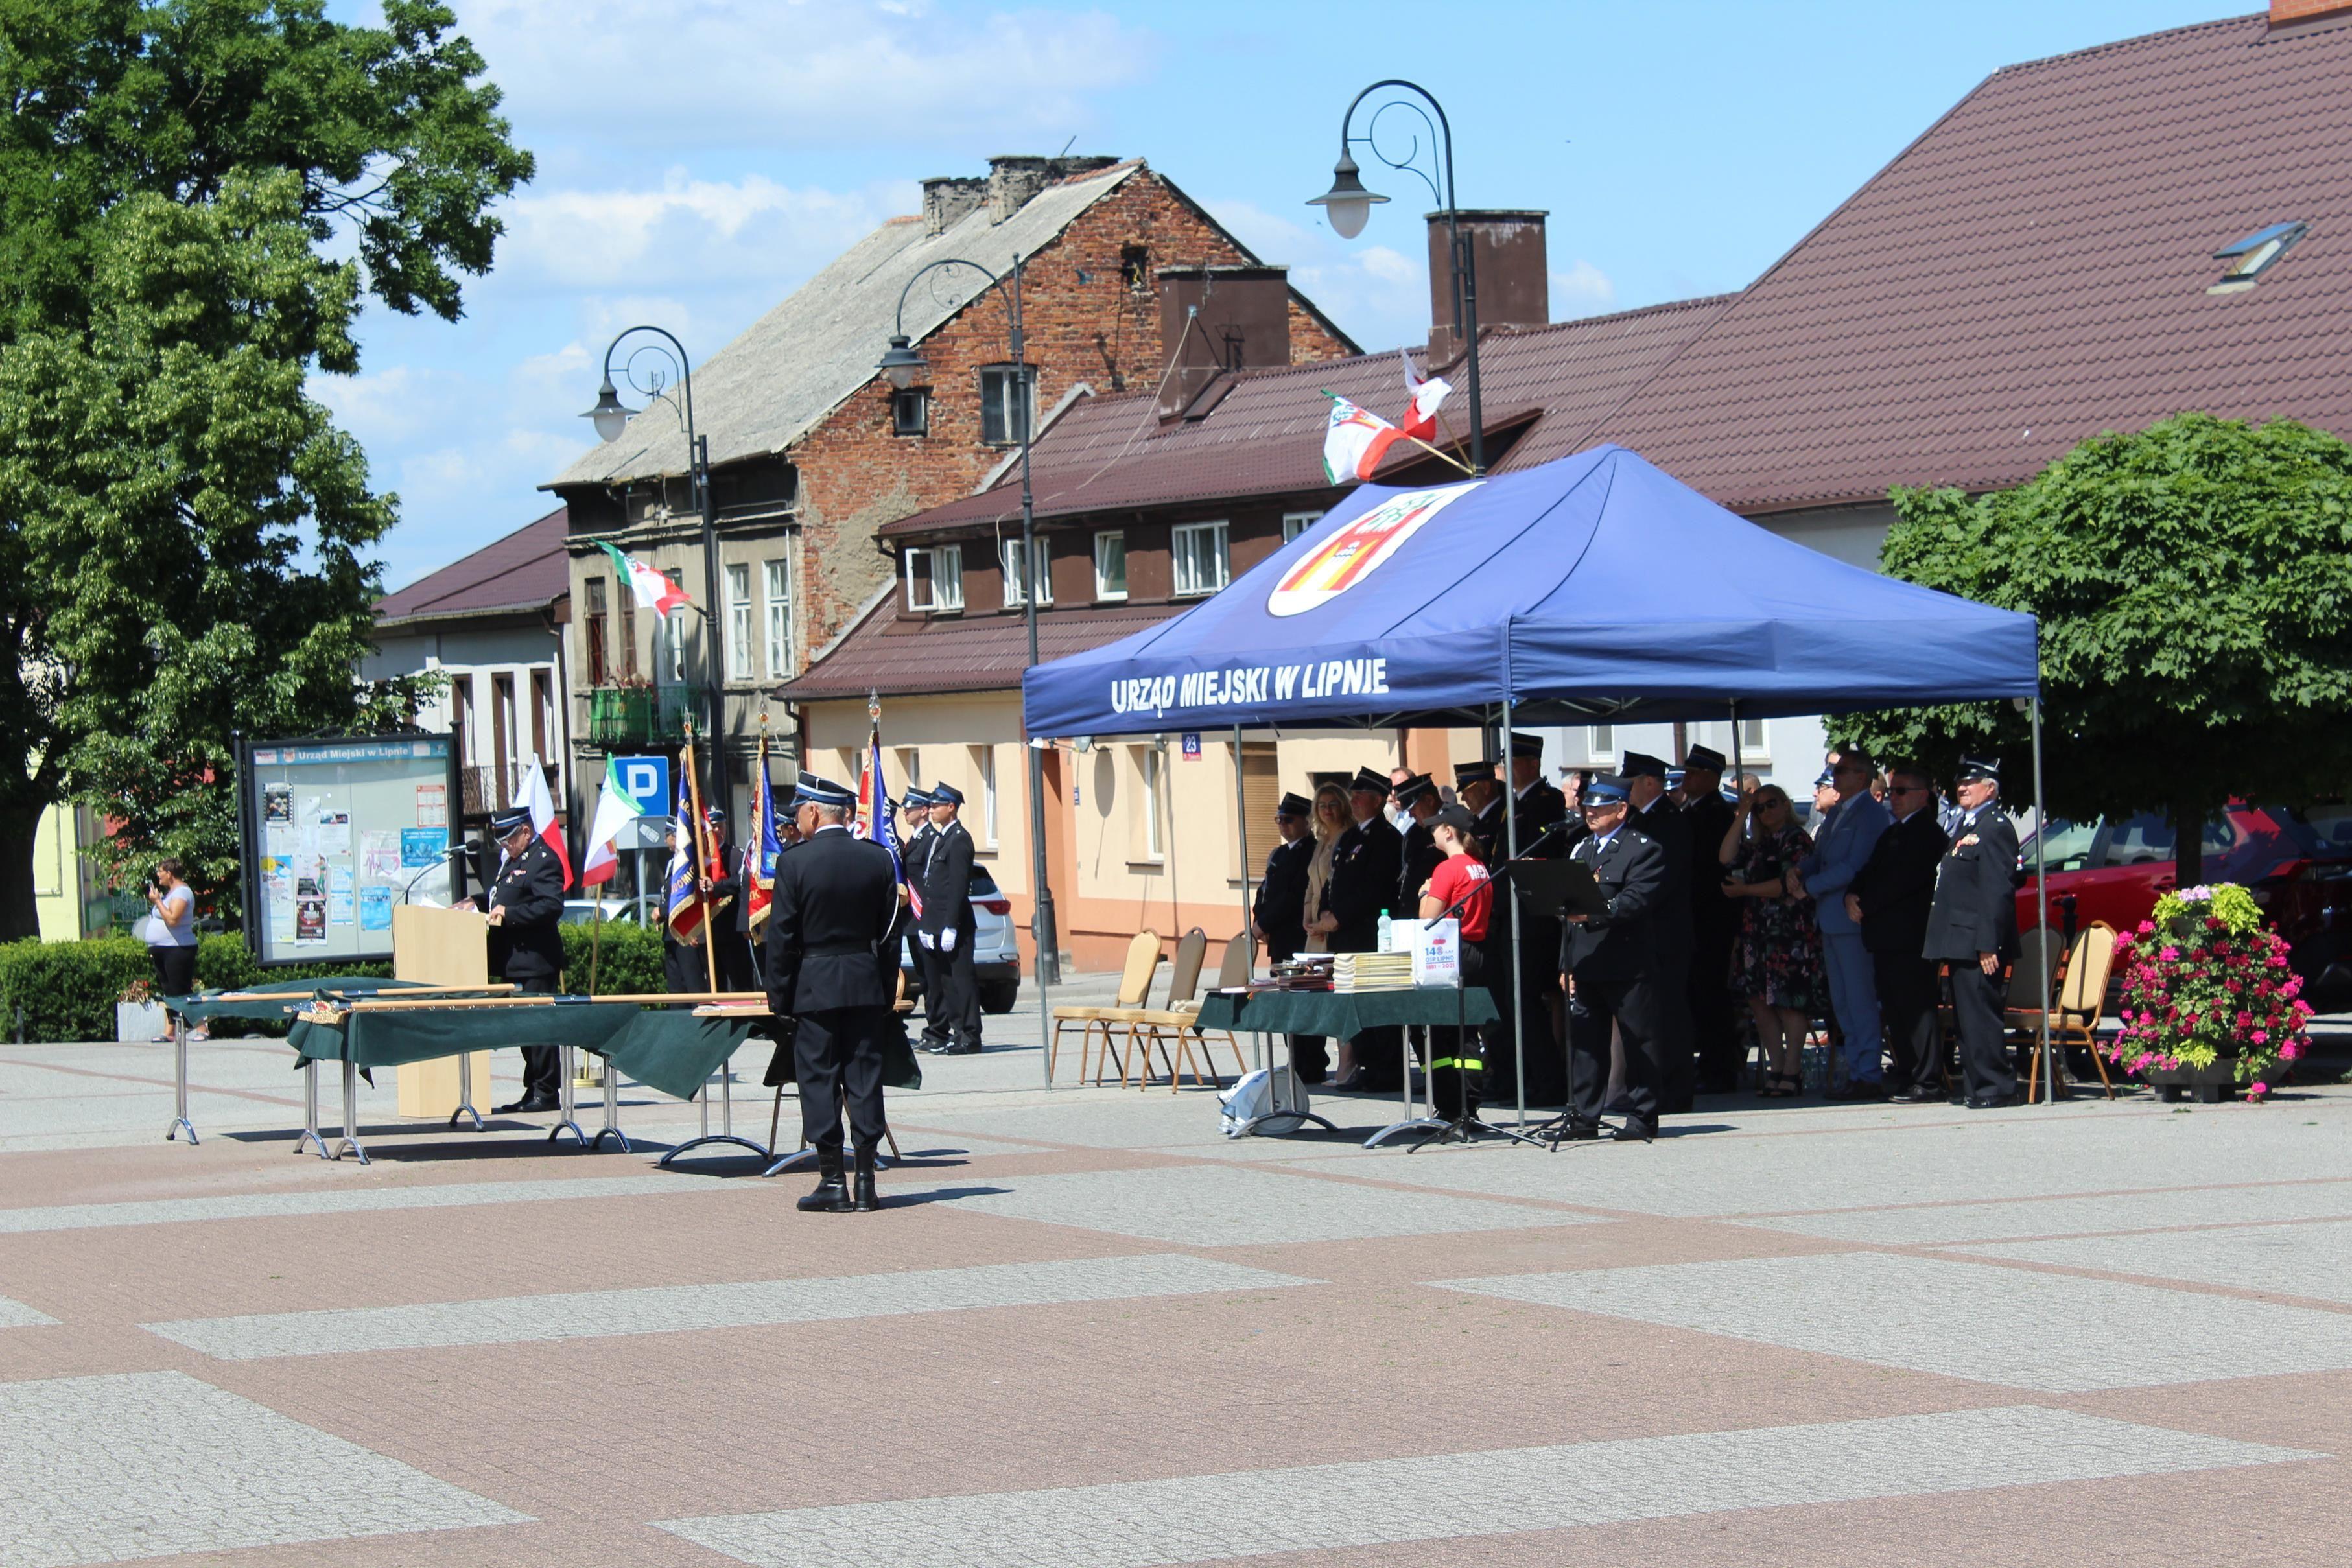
2210	1004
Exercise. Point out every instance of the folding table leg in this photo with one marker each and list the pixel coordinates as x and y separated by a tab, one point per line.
466	1091
564	1116
310	1134
612	1128
351	1138
180	1086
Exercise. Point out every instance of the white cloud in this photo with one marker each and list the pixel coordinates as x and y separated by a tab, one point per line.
697	232
1582	290
737	72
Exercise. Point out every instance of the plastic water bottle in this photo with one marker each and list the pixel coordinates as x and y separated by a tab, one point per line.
1384	931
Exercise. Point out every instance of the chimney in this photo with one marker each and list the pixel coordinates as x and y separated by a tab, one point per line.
1508	261
1217	319
1013	181
946	199
2284	13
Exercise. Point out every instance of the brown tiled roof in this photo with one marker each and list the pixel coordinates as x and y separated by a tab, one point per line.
1266	436
2030	272
524	570
912	656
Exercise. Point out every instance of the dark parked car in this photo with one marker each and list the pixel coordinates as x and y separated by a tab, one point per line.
2298	866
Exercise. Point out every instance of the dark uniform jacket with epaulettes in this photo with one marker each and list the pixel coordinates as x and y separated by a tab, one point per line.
1365	865
1539	808
1420	858
827	928
1670	914
1975	908
527	944
1632	871
1896	886
947	883
1280	909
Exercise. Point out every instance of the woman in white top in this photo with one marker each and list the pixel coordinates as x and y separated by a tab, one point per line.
171	932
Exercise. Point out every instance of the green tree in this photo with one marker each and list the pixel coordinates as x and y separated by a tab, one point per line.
195	198
2193	582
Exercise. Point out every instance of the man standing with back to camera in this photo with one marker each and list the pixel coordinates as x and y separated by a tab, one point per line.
837	898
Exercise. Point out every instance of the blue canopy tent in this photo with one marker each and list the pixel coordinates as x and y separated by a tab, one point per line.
1593	588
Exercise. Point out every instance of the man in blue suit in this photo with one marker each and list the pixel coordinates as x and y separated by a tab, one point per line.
1842	847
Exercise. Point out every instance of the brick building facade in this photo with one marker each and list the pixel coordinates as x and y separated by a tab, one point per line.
812	452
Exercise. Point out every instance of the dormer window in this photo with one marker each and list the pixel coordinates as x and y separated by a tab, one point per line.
2255	255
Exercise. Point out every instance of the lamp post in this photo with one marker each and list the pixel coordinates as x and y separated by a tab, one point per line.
611	416
1348	205
903	362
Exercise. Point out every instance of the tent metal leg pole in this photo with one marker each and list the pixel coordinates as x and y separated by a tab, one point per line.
1739	787
2041	905
1241	837
1511	850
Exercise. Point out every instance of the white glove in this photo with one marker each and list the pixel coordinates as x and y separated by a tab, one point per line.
924	938
947	940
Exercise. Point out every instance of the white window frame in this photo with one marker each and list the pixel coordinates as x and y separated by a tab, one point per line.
1104	593
1179	558
935	580
738	579
1755	740
776	611
1297	523
1009	556
983	758
1600	742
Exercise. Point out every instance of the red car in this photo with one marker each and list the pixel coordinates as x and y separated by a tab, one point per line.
2298	866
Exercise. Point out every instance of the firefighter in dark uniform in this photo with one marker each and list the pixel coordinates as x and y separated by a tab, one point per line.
1610	967
1480	793
1654	814
729	916
948	925
1365	862
916	837
1278	914
1715	924
1535	805
1972	926
525	915
1418	851
829	971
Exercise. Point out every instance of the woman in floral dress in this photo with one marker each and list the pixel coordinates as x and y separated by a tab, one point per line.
1778	964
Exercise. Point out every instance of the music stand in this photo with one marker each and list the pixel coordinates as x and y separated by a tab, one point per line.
1555	889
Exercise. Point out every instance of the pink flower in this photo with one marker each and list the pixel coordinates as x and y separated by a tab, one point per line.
2147	927
2261	1037
2167	954
2257	1089
2245	1020
2289	1050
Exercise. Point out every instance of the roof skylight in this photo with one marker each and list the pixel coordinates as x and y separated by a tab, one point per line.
2255	255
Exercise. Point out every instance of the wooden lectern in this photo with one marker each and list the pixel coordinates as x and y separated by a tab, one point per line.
440	948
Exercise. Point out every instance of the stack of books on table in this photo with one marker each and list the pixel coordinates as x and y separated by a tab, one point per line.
1354	972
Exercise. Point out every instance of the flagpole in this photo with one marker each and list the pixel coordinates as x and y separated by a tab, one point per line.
701	861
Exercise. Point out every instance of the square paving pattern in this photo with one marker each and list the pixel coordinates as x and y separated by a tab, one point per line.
1207	1518
1086	1331
109	1468
1221	1206
594	1314
2011	1326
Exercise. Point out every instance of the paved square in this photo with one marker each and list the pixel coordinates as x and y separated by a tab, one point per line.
1960	1222
594	1314
17	1315
1225	1206
1732	1348
1216	1518
110	1469
2314	1261
2021	1328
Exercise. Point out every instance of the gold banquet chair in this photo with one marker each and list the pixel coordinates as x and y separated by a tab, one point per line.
1184	1017
2081	1000
1134	991
1172	1025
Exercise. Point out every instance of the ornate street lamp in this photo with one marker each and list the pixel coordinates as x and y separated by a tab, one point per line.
904	365
611	416
1348	205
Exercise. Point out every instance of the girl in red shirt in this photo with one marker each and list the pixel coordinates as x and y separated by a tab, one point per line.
1459	877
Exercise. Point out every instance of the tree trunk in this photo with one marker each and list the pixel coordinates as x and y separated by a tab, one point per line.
2188	842
20	917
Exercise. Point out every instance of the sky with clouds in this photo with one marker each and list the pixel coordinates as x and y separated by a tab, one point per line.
699	158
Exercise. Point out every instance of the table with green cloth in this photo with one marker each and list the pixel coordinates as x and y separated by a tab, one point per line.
1341	1015
268	1002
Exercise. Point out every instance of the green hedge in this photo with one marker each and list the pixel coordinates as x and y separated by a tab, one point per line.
68	989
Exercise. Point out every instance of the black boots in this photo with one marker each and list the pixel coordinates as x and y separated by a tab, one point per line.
830	1196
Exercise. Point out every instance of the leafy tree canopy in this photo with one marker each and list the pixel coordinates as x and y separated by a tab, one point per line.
184	532
2194	583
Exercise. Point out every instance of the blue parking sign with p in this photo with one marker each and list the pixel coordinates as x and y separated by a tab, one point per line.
646	780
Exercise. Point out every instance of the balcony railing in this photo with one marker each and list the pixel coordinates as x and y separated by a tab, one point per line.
638	716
